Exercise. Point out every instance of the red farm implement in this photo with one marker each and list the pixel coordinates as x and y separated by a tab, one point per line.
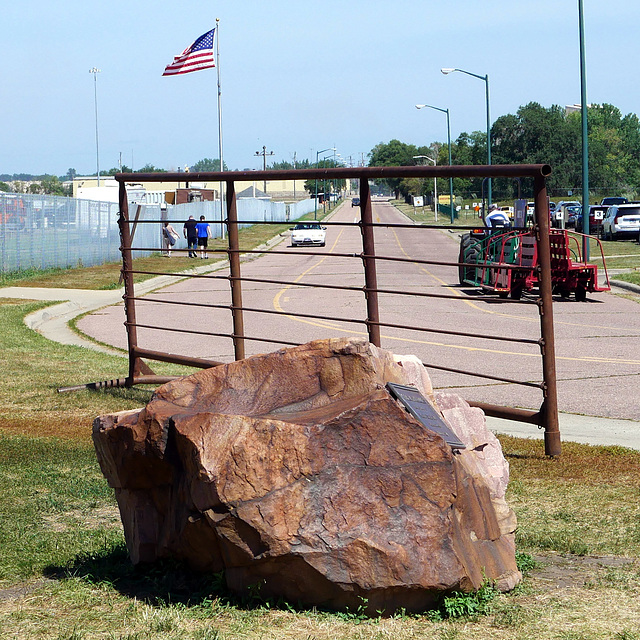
505	261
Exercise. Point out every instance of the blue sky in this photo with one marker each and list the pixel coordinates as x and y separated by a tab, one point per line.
296	76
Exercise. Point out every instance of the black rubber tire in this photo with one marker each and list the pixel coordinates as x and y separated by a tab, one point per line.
471	255
465	240
581	293
516	293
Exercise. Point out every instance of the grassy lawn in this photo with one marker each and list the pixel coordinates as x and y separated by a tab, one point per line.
64	573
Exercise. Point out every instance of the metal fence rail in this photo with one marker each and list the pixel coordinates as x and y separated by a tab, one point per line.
140	373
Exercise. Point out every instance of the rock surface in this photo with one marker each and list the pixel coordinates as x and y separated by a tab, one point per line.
298	472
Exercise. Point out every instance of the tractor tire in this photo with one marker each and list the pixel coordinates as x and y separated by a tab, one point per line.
472	256
465	241
516	292
581	293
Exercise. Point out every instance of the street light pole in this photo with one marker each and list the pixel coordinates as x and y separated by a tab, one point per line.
486	81
435	181
315	211
95	72
264	155
585	139
422	106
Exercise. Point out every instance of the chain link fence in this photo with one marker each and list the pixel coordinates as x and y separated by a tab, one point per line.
45	232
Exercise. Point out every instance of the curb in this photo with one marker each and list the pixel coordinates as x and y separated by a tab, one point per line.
622	284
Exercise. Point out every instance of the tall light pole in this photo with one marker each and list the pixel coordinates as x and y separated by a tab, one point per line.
422	106
95	72
315	211
435	181
486	81
264	153
585	138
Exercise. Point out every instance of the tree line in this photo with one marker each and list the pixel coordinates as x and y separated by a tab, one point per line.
534	135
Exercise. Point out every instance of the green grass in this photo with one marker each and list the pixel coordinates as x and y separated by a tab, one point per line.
55	506
632	277
29	401
63	546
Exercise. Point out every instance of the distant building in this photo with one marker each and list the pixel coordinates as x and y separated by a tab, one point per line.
86	187
572	108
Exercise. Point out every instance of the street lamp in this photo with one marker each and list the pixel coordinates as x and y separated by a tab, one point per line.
585	138
435	181
95	72
315	211
486	81
422	106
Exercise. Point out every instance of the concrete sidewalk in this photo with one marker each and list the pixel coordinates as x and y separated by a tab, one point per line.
576	428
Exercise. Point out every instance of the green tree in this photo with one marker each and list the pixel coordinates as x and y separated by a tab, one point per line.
324	186
4	187
393	154
208	164
285	165
122	169
149	168
52	185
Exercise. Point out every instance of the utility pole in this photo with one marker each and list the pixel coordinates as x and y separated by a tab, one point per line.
264	153
95	71
294	180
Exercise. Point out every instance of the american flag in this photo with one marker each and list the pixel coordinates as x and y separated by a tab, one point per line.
195	57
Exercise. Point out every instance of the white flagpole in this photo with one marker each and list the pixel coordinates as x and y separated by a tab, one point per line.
222	211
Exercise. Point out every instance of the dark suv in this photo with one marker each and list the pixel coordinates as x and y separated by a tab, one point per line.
355	202
614	200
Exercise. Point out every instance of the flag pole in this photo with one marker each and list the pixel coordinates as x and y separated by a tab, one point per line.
222	213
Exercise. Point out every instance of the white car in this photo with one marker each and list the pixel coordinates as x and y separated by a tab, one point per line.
308	233
621	220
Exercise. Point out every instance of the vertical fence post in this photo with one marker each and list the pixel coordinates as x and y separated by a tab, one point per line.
369	260
549	409
127	267
234	269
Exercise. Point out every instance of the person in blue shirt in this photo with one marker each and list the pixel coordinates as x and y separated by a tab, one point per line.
204	233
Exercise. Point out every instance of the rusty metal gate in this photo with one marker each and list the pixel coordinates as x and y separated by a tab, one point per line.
140	373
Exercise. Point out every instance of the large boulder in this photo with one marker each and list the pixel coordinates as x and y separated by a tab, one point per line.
298	472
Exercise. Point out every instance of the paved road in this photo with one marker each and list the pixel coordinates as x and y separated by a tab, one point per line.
598	357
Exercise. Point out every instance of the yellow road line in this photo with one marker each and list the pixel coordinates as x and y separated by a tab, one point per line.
329	325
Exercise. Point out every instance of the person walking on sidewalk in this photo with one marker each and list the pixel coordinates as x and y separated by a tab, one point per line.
204	233
169	238
191	234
